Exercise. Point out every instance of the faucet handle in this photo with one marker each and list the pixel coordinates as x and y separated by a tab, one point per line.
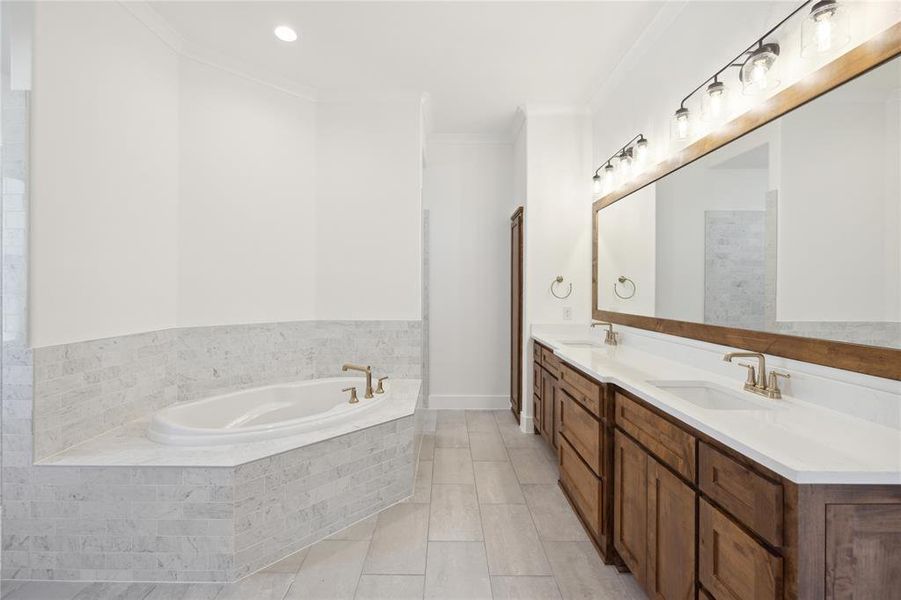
380	389
353	394
773	381
752	374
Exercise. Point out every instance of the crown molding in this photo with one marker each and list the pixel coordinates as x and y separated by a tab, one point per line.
645	41
147	15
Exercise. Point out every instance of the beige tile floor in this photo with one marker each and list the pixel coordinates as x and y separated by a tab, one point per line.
487	520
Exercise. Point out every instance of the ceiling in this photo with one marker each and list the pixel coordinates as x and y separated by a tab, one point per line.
477	61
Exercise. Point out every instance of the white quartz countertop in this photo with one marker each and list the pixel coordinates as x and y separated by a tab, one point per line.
129	446
803	442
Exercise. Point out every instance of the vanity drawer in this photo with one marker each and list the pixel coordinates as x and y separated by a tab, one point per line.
585	391
669	443
550	361
582	430
752	499
731	565
584	488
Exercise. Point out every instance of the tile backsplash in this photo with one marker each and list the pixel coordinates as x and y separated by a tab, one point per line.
84	389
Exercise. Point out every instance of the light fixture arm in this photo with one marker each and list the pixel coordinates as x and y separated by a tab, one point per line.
620	152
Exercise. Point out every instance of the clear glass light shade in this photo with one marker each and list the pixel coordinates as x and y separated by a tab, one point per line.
825	29
642	154
715	102
681	124
624	167
597	185
609	179
760	72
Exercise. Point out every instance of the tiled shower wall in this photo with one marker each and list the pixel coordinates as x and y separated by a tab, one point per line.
86	388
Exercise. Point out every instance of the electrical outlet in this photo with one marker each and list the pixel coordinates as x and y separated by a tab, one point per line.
567	313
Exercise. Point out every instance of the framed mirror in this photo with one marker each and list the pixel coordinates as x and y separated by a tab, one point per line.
780	233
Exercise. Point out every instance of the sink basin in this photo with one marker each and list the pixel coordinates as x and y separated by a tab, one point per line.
712	396
582	343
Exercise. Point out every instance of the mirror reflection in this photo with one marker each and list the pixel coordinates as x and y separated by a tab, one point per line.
794	228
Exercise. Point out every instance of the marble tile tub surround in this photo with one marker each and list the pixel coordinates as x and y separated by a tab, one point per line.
831	426
84	389
424	548
198	523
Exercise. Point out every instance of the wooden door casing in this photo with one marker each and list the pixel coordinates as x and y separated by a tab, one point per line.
516	347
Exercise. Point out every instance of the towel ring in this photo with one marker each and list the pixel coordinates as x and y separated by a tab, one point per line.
559	279
624	279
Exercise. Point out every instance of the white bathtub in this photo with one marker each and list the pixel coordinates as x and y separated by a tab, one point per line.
261	413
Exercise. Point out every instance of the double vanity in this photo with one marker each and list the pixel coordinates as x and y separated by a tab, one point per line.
703	489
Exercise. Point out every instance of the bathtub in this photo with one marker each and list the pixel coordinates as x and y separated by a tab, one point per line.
261	413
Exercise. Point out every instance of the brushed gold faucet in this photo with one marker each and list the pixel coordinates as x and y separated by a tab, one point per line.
610	336
380	389
353	394
363	369
758	382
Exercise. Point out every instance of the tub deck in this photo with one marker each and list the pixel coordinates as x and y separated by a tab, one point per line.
128	445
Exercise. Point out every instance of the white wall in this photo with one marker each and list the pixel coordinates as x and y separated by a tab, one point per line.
558	215
555	148
468	189
172	193
247	218
104	175
369	210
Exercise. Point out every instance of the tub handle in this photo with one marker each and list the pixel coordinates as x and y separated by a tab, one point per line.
353	394
380	389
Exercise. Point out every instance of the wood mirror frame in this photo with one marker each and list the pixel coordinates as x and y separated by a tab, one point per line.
871	360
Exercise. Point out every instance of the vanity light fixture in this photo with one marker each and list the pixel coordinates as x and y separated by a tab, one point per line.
629	160
285	33
825	28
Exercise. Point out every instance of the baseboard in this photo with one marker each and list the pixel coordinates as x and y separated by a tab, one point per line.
438	402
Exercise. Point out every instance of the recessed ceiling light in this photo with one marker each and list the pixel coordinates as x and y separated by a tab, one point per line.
285	33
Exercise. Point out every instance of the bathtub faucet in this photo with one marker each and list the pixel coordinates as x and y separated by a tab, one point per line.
363	369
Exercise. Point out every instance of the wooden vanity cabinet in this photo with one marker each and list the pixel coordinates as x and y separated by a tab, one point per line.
545	372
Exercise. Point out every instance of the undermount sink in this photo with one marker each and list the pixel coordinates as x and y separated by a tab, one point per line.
712	396
582	343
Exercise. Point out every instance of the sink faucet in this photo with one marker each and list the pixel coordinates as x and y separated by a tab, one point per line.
610	336
759	383
363	369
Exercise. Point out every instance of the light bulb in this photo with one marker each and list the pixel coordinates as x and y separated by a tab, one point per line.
758	73
823	31
596	185
681	124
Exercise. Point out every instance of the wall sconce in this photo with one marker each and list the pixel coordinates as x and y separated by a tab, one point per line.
630	159
825	28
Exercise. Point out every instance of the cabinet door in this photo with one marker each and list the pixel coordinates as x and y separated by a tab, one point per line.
671	535
863	551
630	504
